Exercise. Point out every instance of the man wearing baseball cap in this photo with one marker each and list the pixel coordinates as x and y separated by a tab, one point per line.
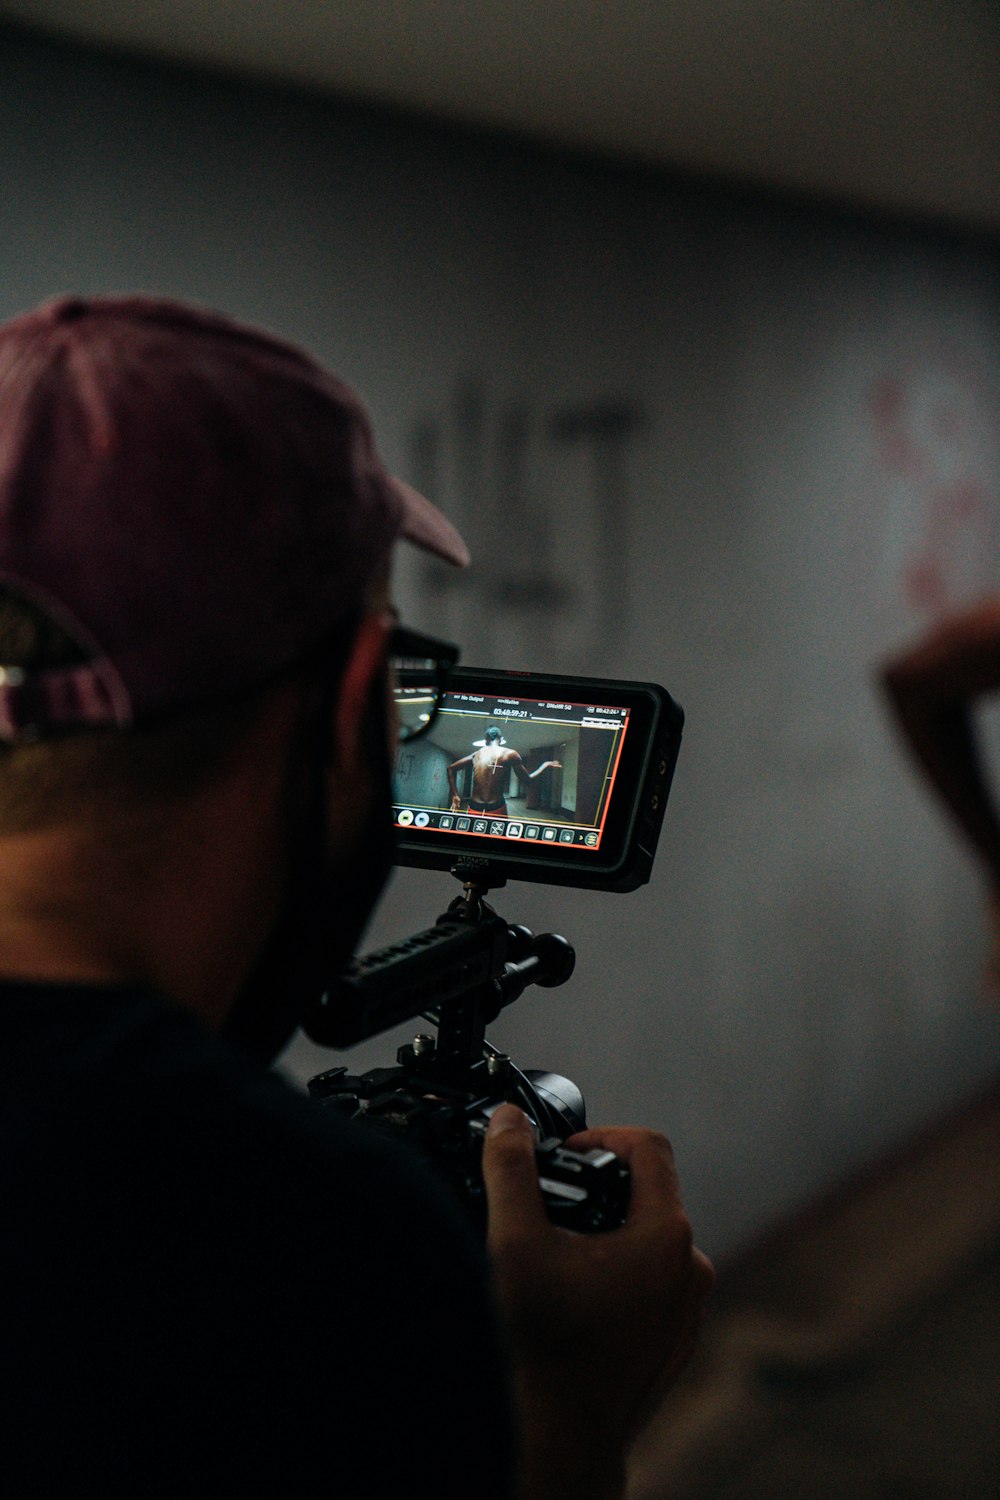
208	1287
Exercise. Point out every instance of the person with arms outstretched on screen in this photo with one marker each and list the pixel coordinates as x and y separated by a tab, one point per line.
490	763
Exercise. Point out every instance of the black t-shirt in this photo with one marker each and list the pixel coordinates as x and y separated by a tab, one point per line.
209	1287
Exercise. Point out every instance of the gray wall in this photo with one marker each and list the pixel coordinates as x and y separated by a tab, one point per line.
737	448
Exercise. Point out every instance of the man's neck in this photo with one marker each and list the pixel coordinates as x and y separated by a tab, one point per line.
180	909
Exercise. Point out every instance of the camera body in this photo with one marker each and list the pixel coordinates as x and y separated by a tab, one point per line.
584	1191
538	778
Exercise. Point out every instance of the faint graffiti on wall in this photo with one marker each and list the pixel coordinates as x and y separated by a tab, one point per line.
541	493
937	429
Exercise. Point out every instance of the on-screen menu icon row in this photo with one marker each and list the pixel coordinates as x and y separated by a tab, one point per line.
504	828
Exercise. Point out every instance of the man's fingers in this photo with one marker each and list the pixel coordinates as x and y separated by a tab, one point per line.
510	1172
650	1161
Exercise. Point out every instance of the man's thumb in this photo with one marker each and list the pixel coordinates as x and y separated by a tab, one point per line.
510	1173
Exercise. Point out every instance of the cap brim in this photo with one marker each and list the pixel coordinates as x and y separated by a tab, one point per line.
425	526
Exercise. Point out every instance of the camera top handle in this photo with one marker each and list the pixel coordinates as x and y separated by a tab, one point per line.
460	973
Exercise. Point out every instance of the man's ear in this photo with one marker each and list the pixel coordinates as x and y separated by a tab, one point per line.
365	666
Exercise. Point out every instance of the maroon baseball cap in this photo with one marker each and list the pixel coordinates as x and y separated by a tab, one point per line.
194	501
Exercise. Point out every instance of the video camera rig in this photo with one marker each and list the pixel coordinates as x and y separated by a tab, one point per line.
459	974
596	827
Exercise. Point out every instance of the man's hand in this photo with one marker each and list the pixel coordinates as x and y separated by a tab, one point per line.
599	1324
456	803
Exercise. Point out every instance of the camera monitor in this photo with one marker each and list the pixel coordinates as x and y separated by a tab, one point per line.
535	777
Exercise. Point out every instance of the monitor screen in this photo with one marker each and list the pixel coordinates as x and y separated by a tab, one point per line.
535	771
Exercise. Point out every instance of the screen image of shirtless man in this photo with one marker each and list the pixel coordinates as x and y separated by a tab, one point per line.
491	757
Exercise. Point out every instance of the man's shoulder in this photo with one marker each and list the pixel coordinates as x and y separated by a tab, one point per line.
138	1087
227	1247
130	1119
